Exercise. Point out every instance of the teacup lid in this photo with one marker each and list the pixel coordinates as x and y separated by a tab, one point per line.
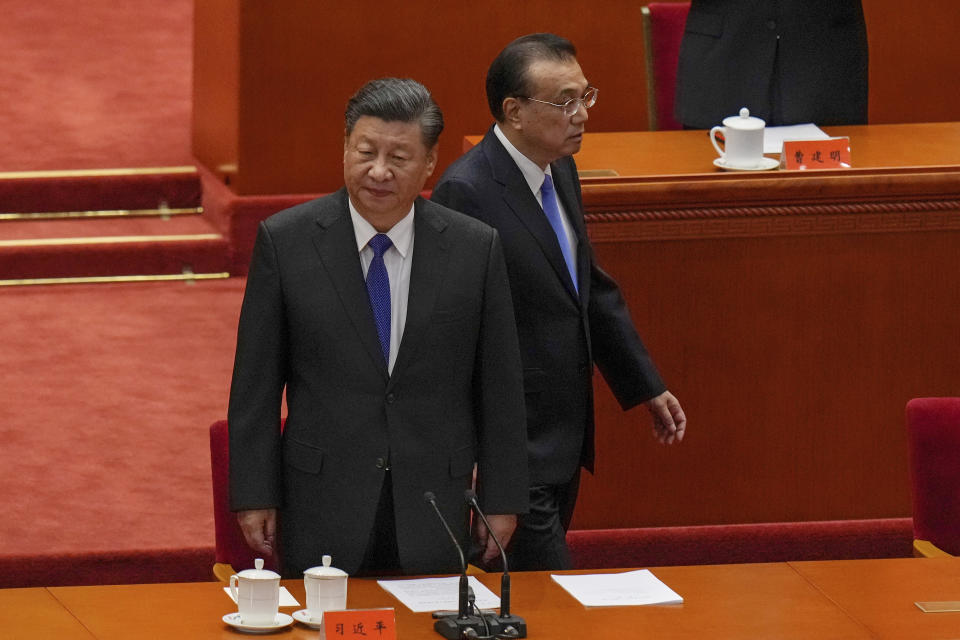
258	573
326	571
744	121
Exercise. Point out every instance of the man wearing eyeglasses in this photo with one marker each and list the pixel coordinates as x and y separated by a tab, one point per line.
522	180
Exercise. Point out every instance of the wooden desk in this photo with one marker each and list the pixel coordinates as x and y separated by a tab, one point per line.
838	599
720	602
881	594
34	614
793	314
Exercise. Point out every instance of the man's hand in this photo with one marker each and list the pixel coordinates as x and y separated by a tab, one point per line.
259	528
503	527
669	421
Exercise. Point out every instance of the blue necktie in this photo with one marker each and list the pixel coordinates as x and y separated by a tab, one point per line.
553	216
378	288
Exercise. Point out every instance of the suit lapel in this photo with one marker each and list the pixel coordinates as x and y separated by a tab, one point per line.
426	278
336	243
517	195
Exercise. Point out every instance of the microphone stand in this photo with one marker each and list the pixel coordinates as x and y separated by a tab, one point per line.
463	624
512	626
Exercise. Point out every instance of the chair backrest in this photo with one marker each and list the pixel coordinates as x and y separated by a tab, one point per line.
231	547
933	435
663	25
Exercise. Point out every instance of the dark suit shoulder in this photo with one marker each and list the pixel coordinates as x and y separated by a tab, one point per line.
294	218
467	167
446	219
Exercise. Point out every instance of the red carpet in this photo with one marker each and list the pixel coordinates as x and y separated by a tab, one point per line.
95	84
106	396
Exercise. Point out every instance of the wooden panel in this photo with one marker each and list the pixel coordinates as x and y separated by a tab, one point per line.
794	315
914	64
216	69
299	66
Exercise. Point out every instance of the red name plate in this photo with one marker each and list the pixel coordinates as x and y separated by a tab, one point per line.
369	624
804	155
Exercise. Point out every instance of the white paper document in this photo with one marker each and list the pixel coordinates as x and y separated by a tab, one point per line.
773	137
618	589
436	594
286	598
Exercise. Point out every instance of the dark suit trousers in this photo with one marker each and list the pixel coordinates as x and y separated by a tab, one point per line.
540	541
381	557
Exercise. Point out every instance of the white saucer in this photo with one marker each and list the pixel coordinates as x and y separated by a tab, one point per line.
303	616
282	620
765	165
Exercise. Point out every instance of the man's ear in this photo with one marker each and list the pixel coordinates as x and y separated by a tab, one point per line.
511	113
432	156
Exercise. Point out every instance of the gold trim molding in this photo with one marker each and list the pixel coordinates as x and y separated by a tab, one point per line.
57	242
97	173
109	279
109	213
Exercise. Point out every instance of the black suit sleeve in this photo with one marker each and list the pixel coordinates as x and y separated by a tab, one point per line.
502	469
258	379
616	346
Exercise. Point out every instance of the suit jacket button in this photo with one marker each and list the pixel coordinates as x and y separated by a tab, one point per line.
381	463
390	398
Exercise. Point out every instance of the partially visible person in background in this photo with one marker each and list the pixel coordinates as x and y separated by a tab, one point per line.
788	61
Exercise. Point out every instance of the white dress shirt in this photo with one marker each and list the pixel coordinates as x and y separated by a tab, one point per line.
534	177
398	260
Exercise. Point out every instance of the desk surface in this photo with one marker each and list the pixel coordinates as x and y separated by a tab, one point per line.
644	153
838	599
37	615
881	593
671	153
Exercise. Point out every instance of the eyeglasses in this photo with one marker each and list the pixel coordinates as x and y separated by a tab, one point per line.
571	106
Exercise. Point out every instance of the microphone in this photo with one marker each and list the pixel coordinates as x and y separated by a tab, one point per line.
507	621
464	625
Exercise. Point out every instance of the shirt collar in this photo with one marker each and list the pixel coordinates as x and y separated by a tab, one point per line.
531	172
401	234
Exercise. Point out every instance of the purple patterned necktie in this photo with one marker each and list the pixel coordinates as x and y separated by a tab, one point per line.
553	217
378	288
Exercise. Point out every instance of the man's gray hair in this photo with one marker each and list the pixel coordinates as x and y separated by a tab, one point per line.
396	100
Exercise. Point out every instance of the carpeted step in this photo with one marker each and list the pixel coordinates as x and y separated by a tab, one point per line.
93	247
143	189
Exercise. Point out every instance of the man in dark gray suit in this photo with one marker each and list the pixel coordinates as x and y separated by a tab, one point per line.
788	61
522	180
388	322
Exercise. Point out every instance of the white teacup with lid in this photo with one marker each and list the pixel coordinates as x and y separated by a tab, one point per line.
743	141
326	589
257	592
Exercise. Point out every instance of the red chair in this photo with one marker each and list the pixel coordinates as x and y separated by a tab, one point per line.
231	547
933	436
663	25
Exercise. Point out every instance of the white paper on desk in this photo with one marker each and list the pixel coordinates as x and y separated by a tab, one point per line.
286	598
437	594
618	589
773	137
